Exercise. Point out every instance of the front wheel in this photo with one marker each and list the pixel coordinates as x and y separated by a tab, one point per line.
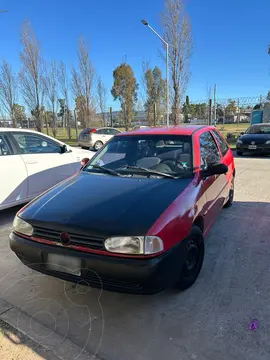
231	195
98	145
193	247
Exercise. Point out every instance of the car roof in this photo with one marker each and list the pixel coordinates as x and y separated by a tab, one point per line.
168	130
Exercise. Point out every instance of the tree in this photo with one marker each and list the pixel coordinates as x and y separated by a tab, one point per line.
52	91
82	82
102	96
231	108
31	74
80	106
125	90
64	86
155	90
8	89
19	113
177	33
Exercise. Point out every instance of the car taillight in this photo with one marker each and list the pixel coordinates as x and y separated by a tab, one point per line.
92	131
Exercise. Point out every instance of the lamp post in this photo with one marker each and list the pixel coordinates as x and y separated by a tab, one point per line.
167	68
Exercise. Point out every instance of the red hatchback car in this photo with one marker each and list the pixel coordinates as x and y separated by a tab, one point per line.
135	217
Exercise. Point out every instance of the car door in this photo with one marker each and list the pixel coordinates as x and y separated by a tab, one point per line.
45	161
13	176
214	185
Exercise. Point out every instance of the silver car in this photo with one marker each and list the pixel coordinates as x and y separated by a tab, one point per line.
96	138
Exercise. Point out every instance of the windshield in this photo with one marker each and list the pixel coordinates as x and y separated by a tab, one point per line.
146	155
259	129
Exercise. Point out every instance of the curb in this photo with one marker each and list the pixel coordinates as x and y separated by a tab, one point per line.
63	349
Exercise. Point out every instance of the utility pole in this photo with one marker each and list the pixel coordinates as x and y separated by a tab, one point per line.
210	112
111	122
76	124
46	122
215	103
238	113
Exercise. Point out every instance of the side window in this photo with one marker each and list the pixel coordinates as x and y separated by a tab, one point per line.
222	143
100	132
35	144
209	150
5	148
114	132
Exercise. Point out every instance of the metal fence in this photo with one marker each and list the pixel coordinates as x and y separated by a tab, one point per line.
223	111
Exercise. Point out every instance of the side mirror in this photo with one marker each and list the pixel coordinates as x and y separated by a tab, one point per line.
84	161
63	149
215	169
242	133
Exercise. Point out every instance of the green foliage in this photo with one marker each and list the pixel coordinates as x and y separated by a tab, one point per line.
156	92
19	113
125	90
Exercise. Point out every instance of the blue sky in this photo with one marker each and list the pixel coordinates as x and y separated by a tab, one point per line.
230	39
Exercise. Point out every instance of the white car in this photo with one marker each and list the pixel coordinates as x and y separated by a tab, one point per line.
96	138
31	162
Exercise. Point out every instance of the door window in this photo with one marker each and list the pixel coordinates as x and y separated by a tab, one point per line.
209	150
113	132
35	144
222	143
101	132
5	148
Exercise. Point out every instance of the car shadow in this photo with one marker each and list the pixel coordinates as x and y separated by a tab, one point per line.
232	288
252	156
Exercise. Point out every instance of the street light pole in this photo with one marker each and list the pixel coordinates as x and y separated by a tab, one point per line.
167	69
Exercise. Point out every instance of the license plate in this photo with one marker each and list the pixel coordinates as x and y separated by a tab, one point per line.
62	263
252	147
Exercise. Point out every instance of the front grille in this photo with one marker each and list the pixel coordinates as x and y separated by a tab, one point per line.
89	241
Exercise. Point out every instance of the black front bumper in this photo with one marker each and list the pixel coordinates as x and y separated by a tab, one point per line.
142	275
260	148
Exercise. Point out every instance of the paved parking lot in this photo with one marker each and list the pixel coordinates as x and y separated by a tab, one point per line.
207	322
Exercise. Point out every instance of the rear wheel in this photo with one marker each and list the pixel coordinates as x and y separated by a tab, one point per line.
231	195
98	145
193	247
239	153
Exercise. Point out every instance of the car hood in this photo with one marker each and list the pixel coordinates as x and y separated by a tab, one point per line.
104	205
258	138
82	153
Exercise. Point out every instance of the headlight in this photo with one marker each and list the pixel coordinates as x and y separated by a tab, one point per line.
239	141
135	245
22	227
268	142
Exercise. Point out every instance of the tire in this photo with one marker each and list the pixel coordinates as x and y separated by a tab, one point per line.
84	147
231	196
239	153
98	145
193	247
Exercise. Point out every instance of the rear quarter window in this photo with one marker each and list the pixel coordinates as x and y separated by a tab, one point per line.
221	142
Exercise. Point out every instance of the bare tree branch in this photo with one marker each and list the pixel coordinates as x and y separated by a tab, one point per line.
31	74
177	33
8	89
51	89
64	85
83	82
102	99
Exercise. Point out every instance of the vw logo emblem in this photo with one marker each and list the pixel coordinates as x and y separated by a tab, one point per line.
64	238
252	142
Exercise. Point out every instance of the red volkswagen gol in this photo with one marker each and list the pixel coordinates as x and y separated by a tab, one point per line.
135	217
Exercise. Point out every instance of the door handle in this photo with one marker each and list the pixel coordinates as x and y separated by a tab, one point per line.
31	162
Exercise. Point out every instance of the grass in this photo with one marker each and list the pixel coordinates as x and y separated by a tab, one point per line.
235	129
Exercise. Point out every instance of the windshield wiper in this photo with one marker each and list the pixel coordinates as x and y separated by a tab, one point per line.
149	171
106	170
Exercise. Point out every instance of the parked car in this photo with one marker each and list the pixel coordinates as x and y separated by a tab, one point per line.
32	162
135	217
96	138
256	139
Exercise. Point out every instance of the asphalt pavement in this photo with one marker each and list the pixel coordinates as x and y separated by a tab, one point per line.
209	321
